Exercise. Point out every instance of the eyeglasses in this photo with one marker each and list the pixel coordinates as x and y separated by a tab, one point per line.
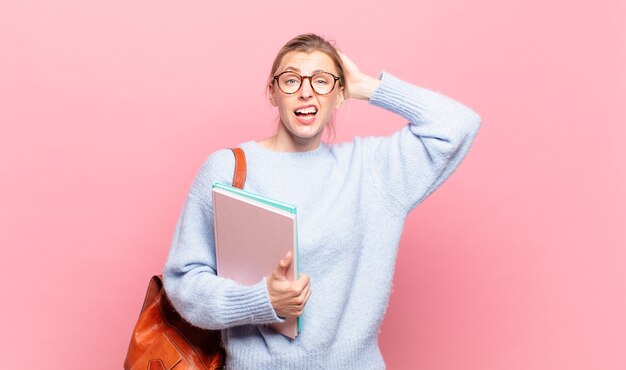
322	82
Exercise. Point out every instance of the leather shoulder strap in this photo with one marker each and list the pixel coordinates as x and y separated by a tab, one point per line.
239	178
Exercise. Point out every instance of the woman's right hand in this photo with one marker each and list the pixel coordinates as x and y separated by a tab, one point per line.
288	297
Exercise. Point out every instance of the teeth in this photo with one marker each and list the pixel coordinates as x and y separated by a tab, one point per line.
308	110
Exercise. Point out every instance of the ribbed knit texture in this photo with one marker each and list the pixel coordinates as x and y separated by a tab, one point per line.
352	199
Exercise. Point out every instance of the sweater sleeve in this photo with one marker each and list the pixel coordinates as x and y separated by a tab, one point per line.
409	165
202	298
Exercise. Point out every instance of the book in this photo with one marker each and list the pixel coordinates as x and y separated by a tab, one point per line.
252	234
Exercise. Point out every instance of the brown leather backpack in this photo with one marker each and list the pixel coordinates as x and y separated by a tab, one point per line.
162	339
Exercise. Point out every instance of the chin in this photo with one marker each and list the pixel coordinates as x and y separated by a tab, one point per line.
306	136
307	132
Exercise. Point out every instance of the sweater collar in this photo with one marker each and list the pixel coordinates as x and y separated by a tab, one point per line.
256	149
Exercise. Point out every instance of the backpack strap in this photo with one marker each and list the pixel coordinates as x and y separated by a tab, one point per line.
239	177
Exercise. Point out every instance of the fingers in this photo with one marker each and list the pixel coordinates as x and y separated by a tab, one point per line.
300	300
352	75
281	270
303	294
298	288
288	298
349	65
306	298
298	285
345	60
286	261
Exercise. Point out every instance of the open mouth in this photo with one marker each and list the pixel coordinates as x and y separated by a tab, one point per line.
306	112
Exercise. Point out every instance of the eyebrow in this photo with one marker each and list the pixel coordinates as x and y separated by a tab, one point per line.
298	70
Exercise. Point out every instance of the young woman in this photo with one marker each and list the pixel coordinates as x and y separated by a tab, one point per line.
352	199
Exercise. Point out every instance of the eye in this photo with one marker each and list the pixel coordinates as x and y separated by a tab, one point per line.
290	79
322	79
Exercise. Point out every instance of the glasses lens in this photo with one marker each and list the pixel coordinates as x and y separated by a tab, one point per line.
322	82
289	82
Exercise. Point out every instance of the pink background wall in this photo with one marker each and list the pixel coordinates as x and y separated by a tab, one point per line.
108	109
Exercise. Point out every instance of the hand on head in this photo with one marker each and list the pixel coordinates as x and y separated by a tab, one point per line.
358	85
288	297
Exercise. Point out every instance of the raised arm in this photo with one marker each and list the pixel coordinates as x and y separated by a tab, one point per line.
409	165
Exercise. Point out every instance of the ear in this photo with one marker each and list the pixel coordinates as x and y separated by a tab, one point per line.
340	98
270	90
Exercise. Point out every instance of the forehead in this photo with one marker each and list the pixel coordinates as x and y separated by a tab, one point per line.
306	63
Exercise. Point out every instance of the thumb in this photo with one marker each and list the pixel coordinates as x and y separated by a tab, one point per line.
283	265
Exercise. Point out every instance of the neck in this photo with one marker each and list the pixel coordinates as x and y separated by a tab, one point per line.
288	143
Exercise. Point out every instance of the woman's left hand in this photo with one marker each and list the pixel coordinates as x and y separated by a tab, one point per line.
358	84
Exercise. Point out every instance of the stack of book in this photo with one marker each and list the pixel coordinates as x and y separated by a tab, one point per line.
252	234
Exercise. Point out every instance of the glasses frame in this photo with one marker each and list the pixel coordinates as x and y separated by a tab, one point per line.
310	78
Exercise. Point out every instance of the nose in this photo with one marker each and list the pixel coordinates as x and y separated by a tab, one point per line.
306	91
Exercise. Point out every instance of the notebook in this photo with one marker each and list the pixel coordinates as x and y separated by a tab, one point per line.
252	234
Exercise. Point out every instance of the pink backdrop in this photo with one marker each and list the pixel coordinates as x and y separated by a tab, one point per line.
108	109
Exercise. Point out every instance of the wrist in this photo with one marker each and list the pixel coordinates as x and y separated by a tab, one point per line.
365	88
